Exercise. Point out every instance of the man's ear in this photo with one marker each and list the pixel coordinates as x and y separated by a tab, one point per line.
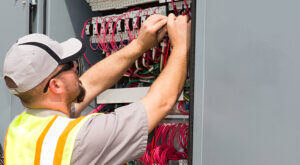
56	86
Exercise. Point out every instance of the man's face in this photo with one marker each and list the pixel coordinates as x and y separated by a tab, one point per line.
75	90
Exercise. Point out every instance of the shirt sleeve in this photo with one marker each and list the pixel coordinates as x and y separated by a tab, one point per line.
113	138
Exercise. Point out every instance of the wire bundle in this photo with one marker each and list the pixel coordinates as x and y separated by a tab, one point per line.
169	143
107	39
106	29
150	64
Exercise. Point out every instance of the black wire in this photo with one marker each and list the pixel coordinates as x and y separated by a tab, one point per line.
30	18
45	17
92	107
1	155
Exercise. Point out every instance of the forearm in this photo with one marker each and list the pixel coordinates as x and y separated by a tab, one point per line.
171	81
107	72
166	89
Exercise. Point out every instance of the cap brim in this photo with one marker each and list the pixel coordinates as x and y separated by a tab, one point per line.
72	49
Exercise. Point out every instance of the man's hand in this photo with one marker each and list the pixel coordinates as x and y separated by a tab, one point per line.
152	32
179	31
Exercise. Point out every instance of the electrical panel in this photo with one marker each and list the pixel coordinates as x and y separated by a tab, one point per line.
117	25
103	5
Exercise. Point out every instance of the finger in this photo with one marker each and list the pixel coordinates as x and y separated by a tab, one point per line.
155	18
162	33
183	18
159	25
171	18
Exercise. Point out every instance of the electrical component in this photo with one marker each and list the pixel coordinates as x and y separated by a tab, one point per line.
125	95
180	5
109	33
168	143
102	5
121	26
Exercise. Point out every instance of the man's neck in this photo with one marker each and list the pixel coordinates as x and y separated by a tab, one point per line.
58	106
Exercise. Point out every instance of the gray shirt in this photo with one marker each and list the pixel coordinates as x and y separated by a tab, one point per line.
111	139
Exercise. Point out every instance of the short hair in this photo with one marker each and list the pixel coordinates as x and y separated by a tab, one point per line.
29	96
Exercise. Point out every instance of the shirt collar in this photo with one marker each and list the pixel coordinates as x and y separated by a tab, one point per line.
44	112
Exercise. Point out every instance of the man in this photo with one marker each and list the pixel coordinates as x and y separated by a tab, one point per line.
42	73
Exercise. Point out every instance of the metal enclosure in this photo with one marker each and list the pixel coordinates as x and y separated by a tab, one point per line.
247	83
14	17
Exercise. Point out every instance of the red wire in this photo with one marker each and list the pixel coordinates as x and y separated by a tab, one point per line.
98	109
99	36
166	55
152	144
160	153
136	24
181	109
111	32
174	7
85	23
87	60
187	8
105	32
93	47
114	29
154	12
82	34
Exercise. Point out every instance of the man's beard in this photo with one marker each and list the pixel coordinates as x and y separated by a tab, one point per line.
81	94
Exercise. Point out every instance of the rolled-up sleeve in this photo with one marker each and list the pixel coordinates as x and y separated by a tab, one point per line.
113	138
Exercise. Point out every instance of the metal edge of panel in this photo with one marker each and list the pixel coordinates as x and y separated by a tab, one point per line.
39	21
45	17
192	81
198	81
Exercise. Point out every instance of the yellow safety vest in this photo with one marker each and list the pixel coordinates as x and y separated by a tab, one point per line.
41	140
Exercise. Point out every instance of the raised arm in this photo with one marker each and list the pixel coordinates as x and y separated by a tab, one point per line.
108	71
166	89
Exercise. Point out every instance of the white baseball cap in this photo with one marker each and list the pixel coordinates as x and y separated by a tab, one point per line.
34	57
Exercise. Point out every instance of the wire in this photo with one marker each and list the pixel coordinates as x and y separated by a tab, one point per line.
1	155
98	109
93	47
187	8
166	55
82	34
174	7
168	143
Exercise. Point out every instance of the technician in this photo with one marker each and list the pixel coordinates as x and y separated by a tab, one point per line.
42	73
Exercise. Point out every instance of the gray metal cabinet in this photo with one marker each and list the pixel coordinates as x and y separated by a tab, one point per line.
247	83
14	17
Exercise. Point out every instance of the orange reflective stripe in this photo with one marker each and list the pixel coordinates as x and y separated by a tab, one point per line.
5	146
62	141
40	141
